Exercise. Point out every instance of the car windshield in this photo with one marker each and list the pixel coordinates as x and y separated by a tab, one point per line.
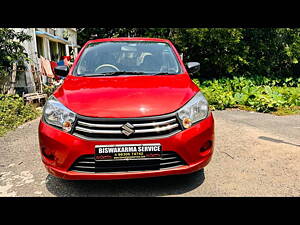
127	57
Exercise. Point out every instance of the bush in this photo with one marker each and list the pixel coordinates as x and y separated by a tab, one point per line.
48	89
258	93
14	112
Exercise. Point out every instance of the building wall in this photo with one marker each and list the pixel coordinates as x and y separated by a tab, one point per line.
25	79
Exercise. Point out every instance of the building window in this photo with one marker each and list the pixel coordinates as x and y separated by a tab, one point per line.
71	51
39	44
61	50
53	51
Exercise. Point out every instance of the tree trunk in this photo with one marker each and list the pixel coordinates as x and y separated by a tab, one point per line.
13	80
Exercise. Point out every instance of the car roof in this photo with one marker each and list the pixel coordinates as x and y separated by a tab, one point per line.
129	39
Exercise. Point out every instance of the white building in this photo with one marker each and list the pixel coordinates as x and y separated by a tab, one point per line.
51	43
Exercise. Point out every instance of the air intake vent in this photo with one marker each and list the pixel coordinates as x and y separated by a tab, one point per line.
87	164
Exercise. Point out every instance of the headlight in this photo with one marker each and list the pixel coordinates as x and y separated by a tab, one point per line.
58	115
195	110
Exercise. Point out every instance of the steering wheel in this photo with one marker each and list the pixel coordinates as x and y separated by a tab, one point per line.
106	65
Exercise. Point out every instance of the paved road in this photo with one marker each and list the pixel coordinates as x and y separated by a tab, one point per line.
255	155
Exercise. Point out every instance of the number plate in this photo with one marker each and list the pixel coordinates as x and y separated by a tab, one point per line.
127	152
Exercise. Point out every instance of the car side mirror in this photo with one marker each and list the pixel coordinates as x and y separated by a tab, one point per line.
61	71
193	67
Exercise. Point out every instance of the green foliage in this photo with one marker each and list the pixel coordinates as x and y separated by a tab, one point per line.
11	51
231	52
14	112
49	89
259	93
257	68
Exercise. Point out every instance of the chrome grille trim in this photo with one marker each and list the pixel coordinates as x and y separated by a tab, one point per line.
99	125
93	131
154	123
120	125
92	128
168	127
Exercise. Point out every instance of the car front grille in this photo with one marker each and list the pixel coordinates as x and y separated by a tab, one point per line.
92	128
87	164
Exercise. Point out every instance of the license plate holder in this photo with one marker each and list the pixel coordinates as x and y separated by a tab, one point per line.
128	152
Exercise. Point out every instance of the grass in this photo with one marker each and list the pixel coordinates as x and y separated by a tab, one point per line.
281	111
284	111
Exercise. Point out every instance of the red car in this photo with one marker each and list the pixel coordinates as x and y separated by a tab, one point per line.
127	109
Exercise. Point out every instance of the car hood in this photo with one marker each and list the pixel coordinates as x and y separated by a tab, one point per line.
126	96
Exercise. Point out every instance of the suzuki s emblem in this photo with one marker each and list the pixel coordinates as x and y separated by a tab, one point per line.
127	129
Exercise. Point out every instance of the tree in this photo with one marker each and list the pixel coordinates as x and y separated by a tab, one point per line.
11	52
223	51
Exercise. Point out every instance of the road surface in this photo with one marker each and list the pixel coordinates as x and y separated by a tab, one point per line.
255	155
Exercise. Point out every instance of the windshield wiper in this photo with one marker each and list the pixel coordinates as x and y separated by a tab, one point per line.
113	73
124	72
165	73
91	74
116	73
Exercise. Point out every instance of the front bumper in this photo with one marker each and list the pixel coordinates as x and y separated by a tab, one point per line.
65	149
